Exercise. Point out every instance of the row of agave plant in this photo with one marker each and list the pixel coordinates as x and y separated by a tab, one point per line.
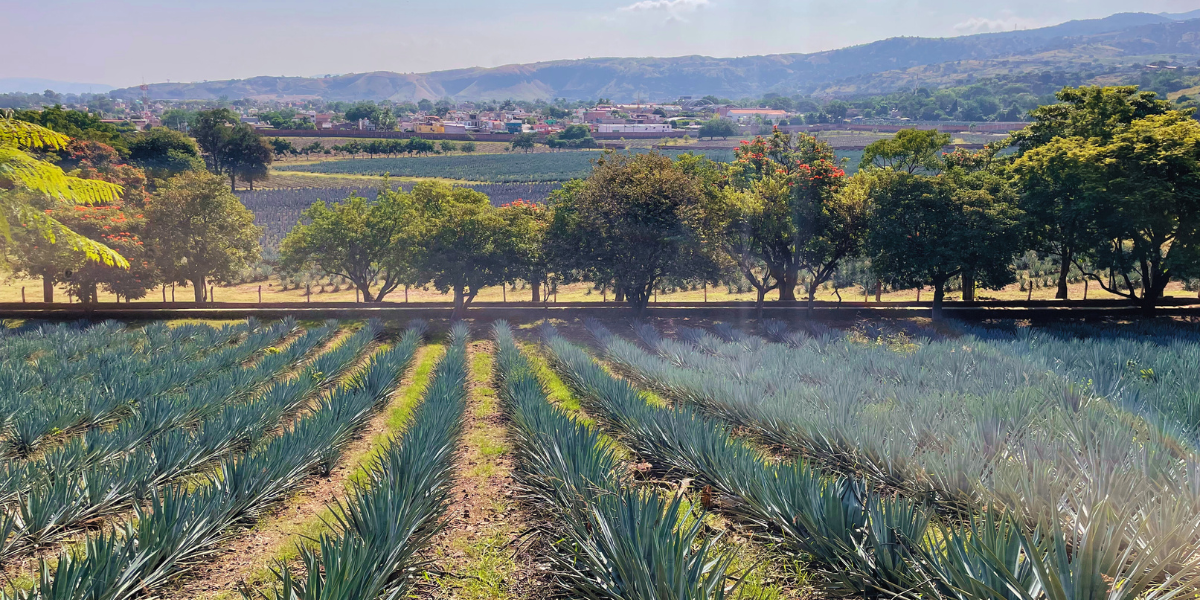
1148	369
181	524
58	356
865	541
607	539
102	473
378	532
97	387
958	423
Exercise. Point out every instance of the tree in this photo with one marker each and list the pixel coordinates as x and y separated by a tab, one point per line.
468	147
464	244
200	231
910	150
212	131
448	146
795	219
24	178
1148	209
926	230
1088	112
574	136
524	141
164	152
356	239
247	155
528	222
282	147
634	221
717	128
1052	175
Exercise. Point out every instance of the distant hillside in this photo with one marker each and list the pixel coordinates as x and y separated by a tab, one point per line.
28	85
847	70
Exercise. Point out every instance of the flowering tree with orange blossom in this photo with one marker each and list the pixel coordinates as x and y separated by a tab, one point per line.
788	206
115	223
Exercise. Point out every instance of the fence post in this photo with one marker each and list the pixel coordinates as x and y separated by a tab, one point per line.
22	294
308	292
260	293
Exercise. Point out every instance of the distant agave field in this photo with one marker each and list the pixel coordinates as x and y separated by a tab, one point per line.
513	167
277	211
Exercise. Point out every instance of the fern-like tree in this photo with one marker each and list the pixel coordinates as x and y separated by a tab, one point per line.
25	178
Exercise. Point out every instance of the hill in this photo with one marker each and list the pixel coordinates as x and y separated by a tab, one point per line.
28	85
1122	36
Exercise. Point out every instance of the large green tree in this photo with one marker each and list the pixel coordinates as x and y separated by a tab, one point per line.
1147	207
718	128
200	231
634	221
164	152
465	244
925	230
1054	179
231	148
909	150
365	242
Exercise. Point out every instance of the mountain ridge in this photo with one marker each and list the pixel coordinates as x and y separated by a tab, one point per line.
624	78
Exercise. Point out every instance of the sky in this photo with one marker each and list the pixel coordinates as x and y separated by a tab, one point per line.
127	42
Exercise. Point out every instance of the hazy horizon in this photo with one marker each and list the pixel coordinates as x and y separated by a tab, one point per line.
125	42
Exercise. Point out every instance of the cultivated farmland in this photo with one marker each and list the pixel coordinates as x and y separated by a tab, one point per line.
642	460
277	211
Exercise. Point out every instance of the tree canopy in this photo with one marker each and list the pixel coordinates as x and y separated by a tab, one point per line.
365	242
200	231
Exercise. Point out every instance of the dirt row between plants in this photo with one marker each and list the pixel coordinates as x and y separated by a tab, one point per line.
479	555
248	559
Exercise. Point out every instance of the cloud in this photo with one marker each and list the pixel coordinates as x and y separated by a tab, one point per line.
984	25
675	9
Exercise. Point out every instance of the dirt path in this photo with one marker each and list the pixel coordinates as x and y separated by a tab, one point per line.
249	558
477	553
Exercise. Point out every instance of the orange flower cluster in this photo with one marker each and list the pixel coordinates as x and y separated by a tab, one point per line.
521	203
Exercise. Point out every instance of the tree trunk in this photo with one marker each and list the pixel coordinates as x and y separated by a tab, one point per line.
760	300
1063	271
537	290
460	304
787	285
619	294
879	291
366	293
939	293
201	289
812	295
232	181
47	289
968	286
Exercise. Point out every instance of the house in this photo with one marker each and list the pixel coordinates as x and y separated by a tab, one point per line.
514	126
454	127
365	124
429	124
323	121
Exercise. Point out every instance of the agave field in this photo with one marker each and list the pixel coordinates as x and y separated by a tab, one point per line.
970	463
278	211
995	464
499	168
